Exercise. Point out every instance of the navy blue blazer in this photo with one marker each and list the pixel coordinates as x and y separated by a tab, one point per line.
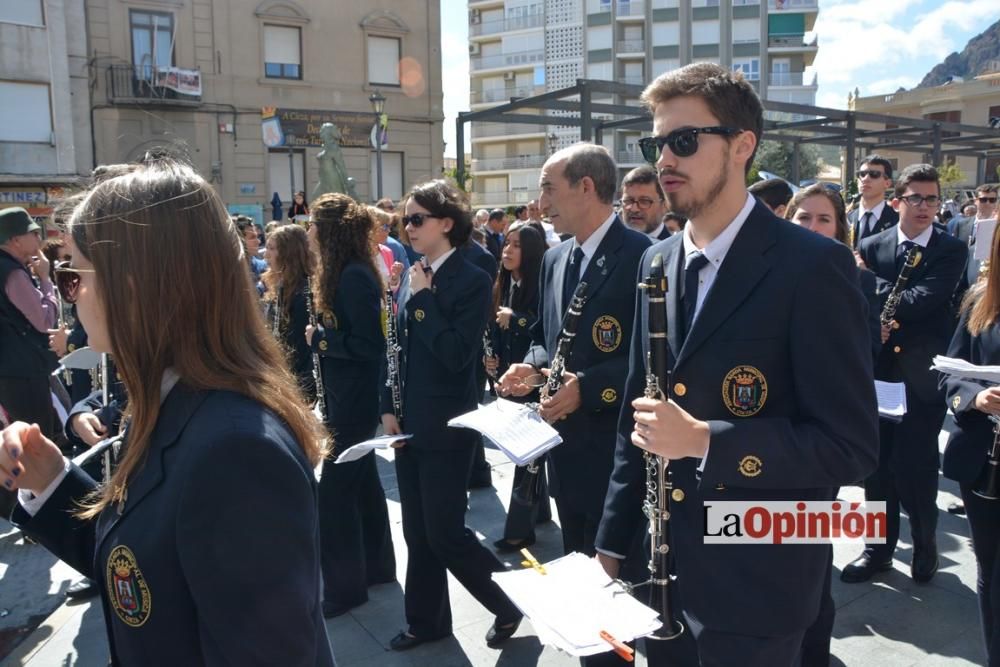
351	348
511	344
477	256
292	335
599	358
187	574
888	218
784	320
924	313
441	336
967	449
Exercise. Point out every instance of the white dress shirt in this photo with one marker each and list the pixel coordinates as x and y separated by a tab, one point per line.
922	239
593	241
876	212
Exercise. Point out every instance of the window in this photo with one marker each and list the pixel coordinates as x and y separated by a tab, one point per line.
27	115
152	41
282	52
24	12
392	175
750	68
383	60
278	173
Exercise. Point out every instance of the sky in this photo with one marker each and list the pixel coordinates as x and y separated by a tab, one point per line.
876	46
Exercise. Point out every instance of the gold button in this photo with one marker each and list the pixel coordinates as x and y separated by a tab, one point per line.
897	349
895	324
680	389
720	487
677	495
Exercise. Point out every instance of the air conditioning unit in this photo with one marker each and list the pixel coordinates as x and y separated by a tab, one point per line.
475	17
509	76
474	49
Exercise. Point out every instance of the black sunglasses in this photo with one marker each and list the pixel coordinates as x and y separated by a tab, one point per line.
682	143
68	281
987	200
872	173
417	219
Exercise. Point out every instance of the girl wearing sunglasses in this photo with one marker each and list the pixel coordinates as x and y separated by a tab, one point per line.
356	545
219	442
442	315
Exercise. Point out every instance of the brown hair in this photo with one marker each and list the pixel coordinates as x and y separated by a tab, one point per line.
294	264
916	173
730	98
820	190
344	230
987	187
643	175
442	200
165	250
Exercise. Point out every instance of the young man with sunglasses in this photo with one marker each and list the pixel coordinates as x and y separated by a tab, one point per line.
872	215
770	394
922	326
965	230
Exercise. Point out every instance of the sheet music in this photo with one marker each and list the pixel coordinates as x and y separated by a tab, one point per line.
984	239
573	601
891	400
964	370
82	359
515	428
355	452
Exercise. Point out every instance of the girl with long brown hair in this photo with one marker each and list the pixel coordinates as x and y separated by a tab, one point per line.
219	442
355	538
286	282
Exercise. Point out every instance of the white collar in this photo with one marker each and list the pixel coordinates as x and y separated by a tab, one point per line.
436	264
715	252
923	238
167	383
655	234
593	241
876	210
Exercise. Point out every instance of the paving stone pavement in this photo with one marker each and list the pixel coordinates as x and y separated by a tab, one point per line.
890	622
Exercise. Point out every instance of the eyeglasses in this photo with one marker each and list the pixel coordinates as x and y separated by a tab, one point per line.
682	143
917	200
68	281
870	173
642	203
987	200
417	219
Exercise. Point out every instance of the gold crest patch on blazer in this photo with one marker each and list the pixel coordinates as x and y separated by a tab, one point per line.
744	391
607	332
128	592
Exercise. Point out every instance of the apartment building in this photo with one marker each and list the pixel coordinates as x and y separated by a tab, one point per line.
520	48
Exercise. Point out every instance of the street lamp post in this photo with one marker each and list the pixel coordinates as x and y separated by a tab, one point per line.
553	142
378	106
290	142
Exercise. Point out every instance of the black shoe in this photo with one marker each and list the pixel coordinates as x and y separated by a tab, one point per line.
505	547
83	589
957	508
501	632
335	609
481	481
404	641
925	563
863	568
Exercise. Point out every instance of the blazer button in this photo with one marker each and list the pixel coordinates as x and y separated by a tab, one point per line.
897	349
680	389
677	495
895	325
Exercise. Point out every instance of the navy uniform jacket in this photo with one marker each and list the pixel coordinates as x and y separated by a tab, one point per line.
186	572
351	346
292	332
785	316
924	311
80	380
967	449
599	358
477	256
441	336
511	344
887	219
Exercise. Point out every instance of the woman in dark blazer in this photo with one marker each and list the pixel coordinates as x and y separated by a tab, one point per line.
977	340
219	442
442	314
515	307
354	522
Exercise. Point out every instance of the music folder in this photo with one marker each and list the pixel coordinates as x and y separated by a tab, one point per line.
514	428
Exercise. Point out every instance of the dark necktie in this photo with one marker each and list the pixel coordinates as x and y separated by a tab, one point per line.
901	250
866	225
572	276
694	263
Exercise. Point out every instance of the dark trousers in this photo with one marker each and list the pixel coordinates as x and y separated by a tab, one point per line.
984	523
28	399
816	642
725	649
355	539
432	495
907	475
521	517
579	530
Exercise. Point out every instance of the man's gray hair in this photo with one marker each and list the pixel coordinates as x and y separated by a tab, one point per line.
591	160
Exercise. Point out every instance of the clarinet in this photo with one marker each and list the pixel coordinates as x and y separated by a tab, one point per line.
276	318
656	505
913	257
527	491
393	379
988	483
488	350
317	371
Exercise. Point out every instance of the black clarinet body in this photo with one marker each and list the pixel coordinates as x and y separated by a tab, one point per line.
988	483
317	370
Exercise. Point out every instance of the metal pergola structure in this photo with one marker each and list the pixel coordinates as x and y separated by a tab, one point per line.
797	124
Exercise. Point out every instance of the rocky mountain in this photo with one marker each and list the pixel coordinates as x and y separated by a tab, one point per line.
974	59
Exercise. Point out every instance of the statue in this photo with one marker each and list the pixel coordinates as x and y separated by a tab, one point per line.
332	170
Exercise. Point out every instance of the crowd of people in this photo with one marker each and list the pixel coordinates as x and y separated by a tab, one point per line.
232	375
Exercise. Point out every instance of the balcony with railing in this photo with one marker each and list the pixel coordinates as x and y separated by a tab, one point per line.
634	9
481	130
791	79
145	84
518	59
534	19
633	80
630	156
630	46
792	5
492	95
781	40
507	163
502	198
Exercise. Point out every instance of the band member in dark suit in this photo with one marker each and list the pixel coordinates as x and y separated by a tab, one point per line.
495	227
578	185
977	340
775	193
872	215
220	441
515	307
908	454
290	264
756	301
356	544
441	319
643	206
965	231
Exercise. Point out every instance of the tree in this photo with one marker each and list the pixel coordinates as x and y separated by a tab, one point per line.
776	157
950	175
451	174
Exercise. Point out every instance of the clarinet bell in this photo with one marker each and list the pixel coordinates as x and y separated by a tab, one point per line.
987	486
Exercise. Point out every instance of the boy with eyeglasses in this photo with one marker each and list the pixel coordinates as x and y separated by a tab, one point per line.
921	328
872	214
